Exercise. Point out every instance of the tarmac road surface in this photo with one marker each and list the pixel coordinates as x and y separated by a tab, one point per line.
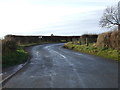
52	66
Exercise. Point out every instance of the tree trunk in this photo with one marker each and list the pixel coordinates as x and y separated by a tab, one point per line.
119	34
80	41
119	27
87	41
119	42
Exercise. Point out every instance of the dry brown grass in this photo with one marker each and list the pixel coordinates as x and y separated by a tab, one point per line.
108	39
8	46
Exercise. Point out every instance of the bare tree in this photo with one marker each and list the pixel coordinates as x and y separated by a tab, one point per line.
111	17
119	15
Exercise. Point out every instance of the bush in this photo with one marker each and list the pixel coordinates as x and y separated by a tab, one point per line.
12	54
18	57
109	40
8	46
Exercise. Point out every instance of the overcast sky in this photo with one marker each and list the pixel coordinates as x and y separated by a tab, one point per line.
46	17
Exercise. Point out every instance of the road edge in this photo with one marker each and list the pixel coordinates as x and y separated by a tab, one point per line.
28	60
24	64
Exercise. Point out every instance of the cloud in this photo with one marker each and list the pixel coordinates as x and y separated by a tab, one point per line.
59	16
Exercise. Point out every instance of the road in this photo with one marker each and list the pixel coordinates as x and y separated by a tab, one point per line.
52	66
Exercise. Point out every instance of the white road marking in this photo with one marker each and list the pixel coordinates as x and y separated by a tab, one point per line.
48	47
59	54
70	64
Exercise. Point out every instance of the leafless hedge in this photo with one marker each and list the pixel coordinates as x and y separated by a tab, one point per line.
8	46
109	40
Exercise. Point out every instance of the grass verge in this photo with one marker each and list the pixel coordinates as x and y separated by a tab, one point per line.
91	49
18	57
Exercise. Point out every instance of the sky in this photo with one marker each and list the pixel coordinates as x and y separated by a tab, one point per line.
46	17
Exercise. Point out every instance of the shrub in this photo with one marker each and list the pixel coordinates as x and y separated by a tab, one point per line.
8	46
109	40
18	57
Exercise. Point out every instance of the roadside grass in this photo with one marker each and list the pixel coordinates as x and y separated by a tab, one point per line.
18	57
31	44
92	49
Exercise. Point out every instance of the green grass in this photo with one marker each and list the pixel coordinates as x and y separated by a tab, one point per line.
91	49
29	44
18	57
